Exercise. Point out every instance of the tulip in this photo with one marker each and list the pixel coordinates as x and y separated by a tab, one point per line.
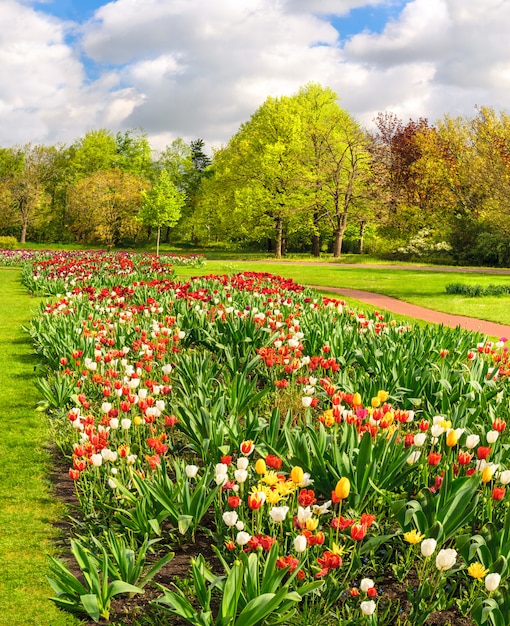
300	543
472	441
368	607
413	457
504	477
356	399
243	537
278	513
428	547
445	559
492	581
191	471
492	436
242	463
451	438
343	488
296	475
306	401
241	475
487	473
366	584
419	439
230	518
260	467
247	447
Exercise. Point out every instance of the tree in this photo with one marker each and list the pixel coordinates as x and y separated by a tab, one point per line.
23	176
337	162
162	205
258	176
104	206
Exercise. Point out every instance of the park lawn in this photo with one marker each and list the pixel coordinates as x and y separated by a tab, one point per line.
421	287
27	506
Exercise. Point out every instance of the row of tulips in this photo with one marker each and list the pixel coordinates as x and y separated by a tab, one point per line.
331	456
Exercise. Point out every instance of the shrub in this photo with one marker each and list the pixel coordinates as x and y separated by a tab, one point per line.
8	243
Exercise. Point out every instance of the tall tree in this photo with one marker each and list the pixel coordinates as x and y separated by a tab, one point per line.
104	207
162	205
337	163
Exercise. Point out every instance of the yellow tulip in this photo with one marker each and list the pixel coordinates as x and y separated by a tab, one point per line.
342	489
356	399
451	438
375	402
312	523
260	467
137	420
297	475
382	395
487	474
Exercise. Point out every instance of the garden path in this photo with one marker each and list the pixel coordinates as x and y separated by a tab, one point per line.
406	309
417	312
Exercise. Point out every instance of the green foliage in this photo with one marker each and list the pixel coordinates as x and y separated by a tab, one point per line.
94	595
477	290
8	243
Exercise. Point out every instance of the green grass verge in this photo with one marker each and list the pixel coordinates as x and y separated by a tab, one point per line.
27	504
426	288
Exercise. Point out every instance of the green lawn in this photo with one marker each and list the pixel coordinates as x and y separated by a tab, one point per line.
425	288
27	505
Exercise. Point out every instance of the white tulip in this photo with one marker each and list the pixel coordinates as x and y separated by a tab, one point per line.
472	441
413	457
242	463
241	475
428	547
300	543
368	607
230	518
445	559
278	513
492	436
492	581
419	439
366	584
243	537
191	471
504	477
125	423
306	401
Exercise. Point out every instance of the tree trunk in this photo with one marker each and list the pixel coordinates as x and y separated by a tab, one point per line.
316	240
337	242
23	237
157	240
361	235
279	237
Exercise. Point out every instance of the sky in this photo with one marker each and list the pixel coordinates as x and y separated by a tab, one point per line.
200	68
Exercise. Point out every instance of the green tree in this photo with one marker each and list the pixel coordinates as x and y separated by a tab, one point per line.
23	174
337	163
258	176
162	205
104	207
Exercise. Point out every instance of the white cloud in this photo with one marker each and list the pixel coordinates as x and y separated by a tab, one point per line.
198	68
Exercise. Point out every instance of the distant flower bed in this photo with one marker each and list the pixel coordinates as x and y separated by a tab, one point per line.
344	467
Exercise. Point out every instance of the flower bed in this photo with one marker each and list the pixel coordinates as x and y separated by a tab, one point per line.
329	455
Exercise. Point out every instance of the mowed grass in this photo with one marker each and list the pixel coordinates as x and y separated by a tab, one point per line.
426	288
27	505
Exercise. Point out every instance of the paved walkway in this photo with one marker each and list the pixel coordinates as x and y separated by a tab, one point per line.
428	315
412	310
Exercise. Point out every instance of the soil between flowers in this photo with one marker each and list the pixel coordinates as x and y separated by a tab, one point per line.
138	610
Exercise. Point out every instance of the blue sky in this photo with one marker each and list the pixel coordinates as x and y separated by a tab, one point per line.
200	68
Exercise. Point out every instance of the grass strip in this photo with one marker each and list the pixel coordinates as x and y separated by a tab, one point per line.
421	287
27	504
